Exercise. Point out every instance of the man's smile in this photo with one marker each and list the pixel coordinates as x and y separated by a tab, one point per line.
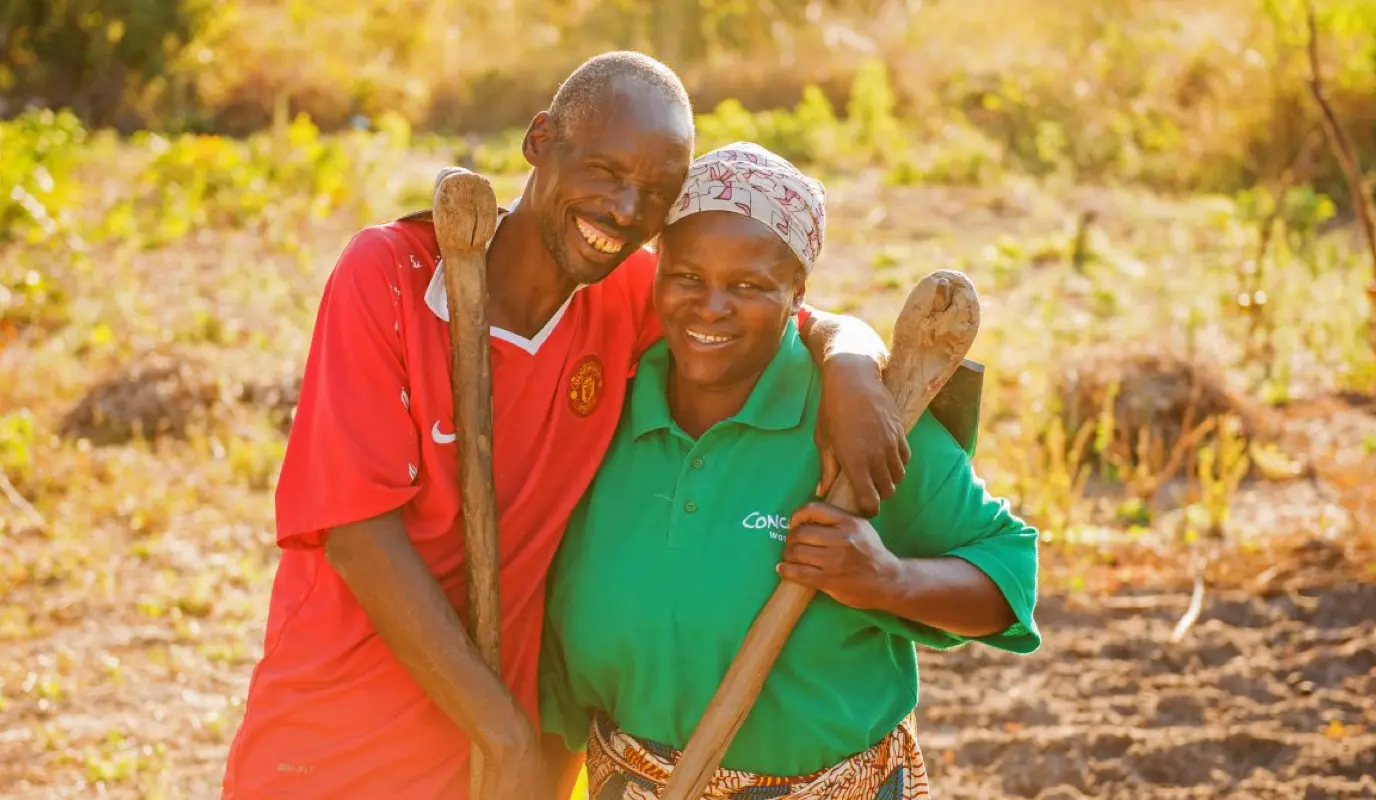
598	239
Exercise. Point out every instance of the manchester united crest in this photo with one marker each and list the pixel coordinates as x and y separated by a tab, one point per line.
585	385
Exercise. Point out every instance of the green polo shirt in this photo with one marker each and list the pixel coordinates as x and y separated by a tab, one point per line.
671	554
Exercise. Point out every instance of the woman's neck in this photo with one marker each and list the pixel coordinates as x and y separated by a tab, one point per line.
697	408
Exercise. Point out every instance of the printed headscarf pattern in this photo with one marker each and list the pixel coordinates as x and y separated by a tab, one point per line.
747	179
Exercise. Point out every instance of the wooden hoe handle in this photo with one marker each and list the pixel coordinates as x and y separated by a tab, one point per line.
932	335
465	215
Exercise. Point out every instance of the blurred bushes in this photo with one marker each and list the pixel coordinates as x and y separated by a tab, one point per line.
38	152
95	56
64	188
1164	92
196	180
155	187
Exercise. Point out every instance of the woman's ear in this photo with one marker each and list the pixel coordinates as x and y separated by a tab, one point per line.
799	289
799	284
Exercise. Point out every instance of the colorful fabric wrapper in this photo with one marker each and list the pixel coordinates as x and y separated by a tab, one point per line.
623	767
747	179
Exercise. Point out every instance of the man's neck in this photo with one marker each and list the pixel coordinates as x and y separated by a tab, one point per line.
524	285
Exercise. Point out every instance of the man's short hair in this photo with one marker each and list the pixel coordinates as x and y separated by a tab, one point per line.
581	95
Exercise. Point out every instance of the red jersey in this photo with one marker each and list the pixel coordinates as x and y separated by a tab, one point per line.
330	711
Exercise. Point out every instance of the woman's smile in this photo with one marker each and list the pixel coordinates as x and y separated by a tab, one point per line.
709	340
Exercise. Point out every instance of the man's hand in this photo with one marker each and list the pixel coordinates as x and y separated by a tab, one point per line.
860	432
514	768
414	619
839	554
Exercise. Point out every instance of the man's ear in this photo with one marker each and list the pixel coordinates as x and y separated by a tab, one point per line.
539	137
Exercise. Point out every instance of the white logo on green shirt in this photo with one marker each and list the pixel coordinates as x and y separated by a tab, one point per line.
776	524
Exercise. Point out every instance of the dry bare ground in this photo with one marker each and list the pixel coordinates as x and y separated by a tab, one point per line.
1268	697
134	591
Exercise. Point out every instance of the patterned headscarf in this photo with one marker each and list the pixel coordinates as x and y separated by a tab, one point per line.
748	179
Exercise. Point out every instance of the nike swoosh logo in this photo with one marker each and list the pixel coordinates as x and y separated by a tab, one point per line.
442	438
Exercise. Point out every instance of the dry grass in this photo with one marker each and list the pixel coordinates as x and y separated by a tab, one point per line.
1182	94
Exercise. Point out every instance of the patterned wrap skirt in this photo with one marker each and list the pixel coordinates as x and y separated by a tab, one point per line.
623	767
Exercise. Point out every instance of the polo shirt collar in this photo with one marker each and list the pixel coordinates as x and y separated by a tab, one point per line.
777	402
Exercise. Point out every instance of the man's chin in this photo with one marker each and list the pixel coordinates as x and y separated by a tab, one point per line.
585	271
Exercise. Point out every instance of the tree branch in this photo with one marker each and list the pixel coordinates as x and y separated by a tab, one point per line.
1338	141
1347	159
24	506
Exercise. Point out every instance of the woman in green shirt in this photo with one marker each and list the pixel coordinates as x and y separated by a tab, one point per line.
707	496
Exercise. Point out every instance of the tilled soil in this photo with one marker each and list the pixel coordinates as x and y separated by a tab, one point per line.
1262	698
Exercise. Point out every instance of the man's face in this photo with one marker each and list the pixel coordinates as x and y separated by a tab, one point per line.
603	191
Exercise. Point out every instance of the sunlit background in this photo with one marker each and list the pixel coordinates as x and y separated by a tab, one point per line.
1177	337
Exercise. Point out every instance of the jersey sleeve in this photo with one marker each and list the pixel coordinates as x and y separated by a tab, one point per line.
944	509
353	451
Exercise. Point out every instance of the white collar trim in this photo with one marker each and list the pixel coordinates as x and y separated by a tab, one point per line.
437	300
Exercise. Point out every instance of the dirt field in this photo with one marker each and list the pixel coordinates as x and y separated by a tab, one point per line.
132	596
1266	699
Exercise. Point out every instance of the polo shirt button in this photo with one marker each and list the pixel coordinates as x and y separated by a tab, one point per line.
697	463
690	506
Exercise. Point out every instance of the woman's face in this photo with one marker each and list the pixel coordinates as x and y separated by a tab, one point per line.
725	289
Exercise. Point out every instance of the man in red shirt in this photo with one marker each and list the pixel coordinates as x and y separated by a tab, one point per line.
369	686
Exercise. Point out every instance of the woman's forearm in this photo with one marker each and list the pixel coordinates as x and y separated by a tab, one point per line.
948	594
